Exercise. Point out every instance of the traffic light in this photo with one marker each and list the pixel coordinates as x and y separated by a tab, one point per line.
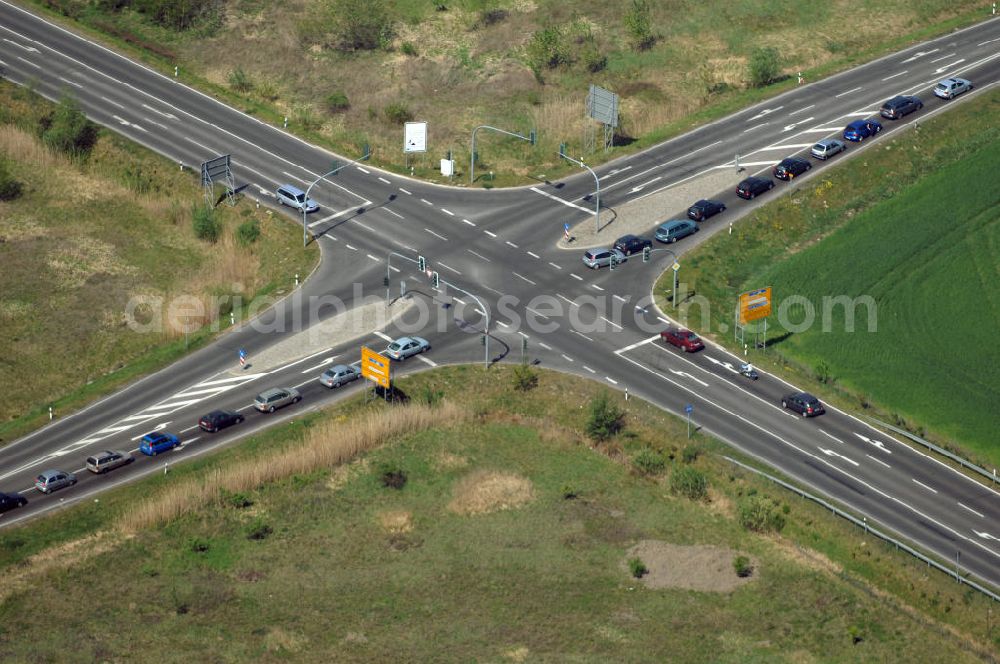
533	137
562	149
612	262
646	251
421	263
436	280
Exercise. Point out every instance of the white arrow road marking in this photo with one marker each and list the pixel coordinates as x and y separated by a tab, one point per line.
29	49
943	57
159	427
948	66
920	54
686	374
887	78
796	124
121	120
987	536
724	365
833	438
636	345
185	443
837	454
615	171
877	443
644	184
321	364
765	112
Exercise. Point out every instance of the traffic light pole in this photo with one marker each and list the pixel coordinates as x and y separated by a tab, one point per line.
531	137
336	168
597	184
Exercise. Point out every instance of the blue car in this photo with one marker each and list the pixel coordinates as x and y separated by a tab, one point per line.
859	130
158	441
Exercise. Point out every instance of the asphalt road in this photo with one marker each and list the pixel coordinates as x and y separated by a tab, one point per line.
501	245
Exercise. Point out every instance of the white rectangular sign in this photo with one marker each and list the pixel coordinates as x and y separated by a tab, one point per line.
447	167
415	137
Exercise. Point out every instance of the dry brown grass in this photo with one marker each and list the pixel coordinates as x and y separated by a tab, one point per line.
449	461
28	149
326	445
486	491
396	521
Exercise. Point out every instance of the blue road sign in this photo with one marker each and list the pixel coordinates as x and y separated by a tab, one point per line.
689	409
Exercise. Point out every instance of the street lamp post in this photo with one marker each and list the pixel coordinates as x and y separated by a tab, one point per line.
597	183
336	168
472	162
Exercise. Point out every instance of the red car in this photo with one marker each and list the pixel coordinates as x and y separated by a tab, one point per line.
684	339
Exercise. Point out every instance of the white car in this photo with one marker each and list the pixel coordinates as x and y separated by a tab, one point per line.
404	347
950	88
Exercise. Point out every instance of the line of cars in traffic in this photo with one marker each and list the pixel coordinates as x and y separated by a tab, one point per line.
787	169
157	442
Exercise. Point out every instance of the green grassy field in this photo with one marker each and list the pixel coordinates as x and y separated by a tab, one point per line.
913	224
88	235
459	64
479	556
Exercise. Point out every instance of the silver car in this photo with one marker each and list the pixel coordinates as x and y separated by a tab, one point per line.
270	400
404	347
52	480
339	374
107	460
950	88
827	148
598	258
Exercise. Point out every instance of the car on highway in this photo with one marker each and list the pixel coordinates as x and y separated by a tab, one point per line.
632	244
294	197
899	106
703	209
107	460
9	501
803	403
339	374
219	419
156	442
270	400
859	130
790	167
53	480
404	347
683	338
675	229
950	88
752	187
827	148
595	259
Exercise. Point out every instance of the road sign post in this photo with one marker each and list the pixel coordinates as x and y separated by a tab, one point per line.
688	409
676	266
243	358
376	367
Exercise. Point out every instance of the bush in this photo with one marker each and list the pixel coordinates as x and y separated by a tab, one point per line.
240	81
67	129
258	530
248	232
606	419
397	113
198	545
176	14
337	102
360	26
690	453
408	49
760	514
689	482
637	568
569	492
206	226
393	477
742	566
492	16
9	187
429	396
594	60
649	462
547	49
236	499
639	25
525	379
764	66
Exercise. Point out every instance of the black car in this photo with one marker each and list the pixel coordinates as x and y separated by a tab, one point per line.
703	209
803	403
631	244
9	501
899	106
789	168
219	419
754	186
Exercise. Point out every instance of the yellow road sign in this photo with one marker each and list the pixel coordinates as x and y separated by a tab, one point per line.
755	304
375	367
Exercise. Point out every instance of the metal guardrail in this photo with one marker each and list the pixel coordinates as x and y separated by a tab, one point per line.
870	529
940	450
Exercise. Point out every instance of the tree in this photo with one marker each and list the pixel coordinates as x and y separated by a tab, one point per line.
67	129
764	66
639	25
606	419
547	49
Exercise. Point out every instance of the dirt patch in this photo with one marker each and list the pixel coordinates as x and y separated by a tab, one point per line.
484	491
807	557
449	461
396	521
278	640
519	654
704	568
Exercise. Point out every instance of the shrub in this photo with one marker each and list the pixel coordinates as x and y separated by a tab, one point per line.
569	492
594	60
689	482
742	566
240	81
176	14
258	530
823	372
649	462
760	514
236	499
248	232
10	188
360	26
198	545
547	49
764	66
206	226
429	396
606	419
492	16
408	49
639	25
690	453
393	477
525	379
337	102
67	129
637	568
397	113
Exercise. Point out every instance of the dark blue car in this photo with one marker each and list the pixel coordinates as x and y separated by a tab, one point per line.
158	441
859	130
